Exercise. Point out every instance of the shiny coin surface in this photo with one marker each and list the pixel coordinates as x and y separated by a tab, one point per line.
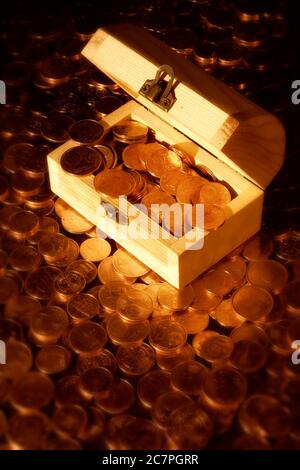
87	338
82	307
131	157
134	360
114	183
166	404
81	160
252	302
127	265
130	131
214	193
33	392
225	387
134	305
86	131
120	399
96	382
95	249
152	385
188	376
53	359
269	274
122	332
167	336
175	299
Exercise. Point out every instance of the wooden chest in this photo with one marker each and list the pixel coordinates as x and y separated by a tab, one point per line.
239	142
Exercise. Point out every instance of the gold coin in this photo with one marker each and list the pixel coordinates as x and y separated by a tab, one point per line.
121	332
152	385
33	392
268	274
87	338
53	359
252	302
75	223
134	305
134	360
95	249
175	299
127	265
167	336
188	376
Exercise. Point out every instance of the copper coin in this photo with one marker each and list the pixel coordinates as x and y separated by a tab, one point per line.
214	193
218	281
155	203
46	225
68	392
168	362
134	359
68	284
289	247
268	274
252	302
69	256
175	299
53	246
188	376
291	297
86	268
189	427
48	325
192	320
167	336
250	332
15	155
8	289
96	382
70	419
104	359
188	189
74	222
248	356
237	267
55	70
109	295
161	159
121	332
25	259
4	188
107	273
95	249
294	269
214	216
225	386
152	385
226	316
265	416
170	179
127	265
33	392
6	213
109	154
87	131
134	305
82	307
3	261
29	431
259	247
23	224
60	207
87	338
53	359
35	162
26	186
18	359
22	308
55	128
134	433
120	399
129	131
114	183
166	404
131	157
215	348
204	299
81	160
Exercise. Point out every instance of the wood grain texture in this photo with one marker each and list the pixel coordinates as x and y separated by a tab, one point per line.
170	258
207	111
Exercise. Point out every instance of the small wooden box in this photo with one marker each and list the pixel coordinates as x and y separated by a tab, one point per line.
241	143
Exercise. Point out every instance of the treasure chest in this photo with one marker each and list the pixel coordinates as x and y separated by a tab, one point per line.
211	127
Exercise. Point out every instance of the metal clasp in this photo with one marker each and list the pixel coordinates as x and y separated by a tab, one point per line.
160	91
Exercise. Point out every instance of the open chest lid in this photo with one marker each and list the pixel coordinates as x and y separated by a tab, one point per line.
204	109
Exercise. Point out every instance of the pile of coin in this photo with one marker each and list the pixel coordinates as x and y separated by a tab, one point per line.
101	353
